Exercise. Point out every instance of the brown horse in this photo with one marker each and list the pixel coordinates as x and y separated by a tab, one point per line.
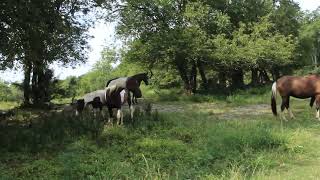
298	87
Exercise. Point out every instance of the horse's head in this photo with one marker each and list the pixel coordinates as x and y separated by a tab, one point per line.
143	77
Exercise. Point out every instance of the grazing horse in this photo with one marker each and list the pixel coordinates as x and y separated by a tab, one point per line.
138	77
112	97
298	87
131	84
96	104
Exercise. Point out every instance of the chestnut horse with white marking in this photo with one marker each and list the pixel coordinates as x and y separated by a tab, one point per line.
298	87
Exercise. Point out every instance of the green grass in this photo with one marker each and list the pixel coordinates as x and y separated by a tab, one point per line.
190	144
255	95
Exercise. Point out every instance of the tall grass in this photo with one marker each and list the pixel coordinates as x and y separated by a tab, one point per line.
157	146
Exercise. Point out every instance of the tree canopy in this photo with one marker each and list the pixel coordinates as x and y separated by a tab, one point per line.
36	33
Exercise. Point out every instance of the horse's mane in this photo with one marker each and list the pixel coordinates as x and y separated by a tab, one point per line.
134	77
111	80
138	75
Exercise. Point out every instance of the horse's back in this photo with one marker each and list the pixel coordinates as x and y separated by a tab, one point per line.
120	82
300	87
89	97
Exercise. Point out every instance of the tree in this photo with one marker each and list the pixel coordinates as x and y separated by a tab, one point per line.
287	17
310	38
170	33
36	33
253	47
212	38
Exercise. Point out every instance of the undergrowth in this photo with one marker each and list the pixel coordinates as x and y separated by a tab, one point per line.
156	146
255	95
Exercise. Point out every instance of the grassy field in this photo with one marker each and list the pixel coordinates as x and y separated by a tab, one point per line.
199	137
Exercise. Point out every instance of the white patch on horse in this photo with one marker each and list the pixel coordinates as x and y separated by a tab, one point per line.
132	109
119	116
318	114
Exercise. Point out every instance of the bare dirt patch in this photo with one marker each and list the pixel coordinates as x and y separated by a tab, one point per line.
221	111
250	110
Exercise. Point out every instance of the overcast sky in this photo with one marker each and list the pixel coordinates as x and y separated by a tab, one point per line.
104	35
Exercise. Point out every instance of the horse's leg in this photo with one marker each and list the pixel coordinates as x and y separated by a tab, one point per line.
119	116
130	100
132	109
312	101
285	101
95	112
288	108
110	115
318	107
102	112
134	99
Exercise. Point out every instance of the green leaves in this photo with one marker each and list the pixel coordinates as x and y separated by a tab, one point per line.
254	46
310	40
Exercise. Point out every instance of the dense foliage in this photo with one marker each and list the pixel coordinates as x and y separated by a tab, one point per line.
221	40
35	34
10	92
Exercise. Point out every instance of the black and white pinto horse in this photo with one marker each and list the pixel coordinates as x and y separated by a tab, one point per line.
131	84
112	97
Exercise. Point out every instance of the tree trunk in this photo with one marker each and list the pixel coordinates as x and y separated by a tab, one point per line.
263	76
237	79
222	79
202	74
40	85
193	77
34	86
26	84
275	74
254	77
183	74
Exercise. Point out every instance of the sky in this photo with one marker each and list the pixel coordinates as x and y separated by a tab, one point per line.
104	36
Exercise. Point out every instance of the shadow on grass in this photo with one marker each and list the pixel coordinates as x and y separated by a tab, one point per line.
245	96
35	133
180	145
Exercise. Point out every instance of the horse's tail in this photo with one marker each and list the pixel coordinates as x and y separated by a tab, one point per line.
273	98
